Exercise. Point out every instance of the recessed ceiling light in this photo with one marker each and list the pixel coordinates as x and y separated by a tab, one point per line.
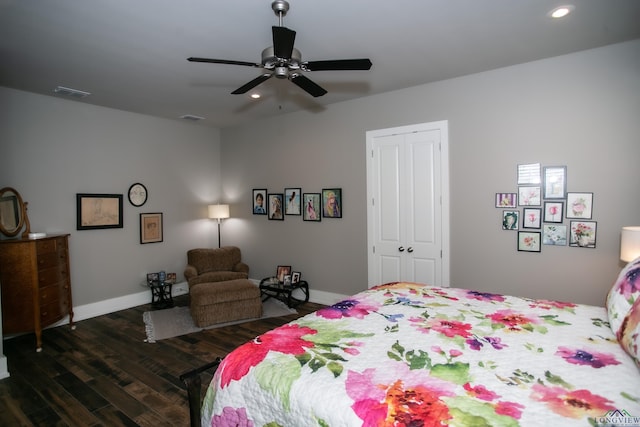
561	11
255	95
191	117
73	93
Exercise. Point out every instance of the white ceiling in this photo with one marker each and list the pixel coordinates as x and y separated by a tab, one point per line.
131	54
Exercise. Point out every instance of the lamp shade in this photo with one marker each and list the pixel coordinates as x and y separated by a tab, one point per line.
630	243
218	211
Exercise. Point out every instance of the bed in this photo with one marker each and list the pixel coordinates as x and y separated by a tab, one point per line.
408	354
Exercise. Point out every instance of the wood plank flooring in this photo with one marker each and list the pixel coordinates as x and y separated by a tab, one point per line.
104	374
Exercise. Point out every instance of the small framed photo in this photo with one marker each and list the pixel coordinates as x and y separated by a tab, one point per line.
506	200
292	201
150	228
259	199
529	196
96	211
282	271
171	278
275	206
553	211
583	234
529	174
311	209
295	277
510	220
579	205
529	241
531	218
554	235
153	277
555	182
332	202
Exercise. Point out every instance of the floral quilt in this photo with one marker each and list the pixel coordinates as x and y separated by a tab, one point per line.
406	354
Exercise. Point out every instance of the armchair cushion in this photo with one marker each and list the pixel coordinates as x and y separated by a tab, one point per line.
215	265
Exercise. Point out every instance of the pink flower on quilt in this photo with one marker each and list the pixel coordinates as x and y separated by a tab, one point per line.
231	417
583	357
510	409
485	296
382	399
448	328
571	403
287	339
346	308
547	304
511	319
480	392
631	283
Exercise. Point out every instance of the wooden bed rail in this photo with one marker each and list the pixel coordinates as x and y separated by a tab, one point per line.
192	380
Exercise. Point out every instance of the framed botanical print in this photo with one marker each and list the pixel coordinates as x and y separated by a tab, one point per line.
529	196
553	211
529	241
554	234
531	217
583	234
579	205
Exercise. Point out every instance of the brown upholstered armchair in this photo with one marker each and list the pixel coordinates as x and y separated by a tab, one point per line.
215	265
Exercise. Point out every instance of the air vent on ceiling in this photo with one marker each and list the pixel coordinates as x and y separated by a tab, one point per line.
72	93
191	117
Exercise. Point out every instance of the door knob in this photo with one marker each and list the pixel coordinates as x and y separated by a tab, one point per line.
410	249
401	249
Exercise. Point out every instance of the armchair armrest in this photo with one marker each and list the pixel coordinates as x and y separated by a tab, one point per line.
241	267
190	272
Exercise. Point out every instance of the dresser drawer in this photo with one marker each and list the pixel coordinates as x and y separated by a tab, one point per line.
49	276
46	246
51	259
49	295
50	313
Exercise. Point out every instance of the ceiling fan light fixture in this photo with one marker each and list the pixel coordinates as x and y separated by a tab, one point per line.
255	96
72	93
561	11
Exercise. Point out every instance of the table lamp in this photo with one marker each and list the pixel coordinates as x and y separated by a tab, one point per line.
218	212
630	243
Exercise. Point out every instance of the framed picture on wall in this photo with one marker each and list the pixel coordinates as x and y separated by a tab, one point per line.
510	220
579	205
506	200
529	174
259	200
553	211
275	206
529	196
292	201
583	234
150	228
95	211
311	207
531	217
555	182
554	235
529	241
332	202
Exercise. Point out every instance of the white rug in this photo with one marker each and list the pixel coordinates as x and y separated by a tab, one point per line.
176	321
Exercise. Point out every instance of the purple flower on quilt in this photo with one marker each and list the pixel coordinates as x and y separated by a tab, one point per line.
231	417
346	308
583	357
485	296
476	343
631	283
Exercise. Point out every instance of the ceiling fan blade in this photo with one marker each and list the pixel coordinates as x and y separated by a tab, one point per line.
283	40
223	61
338	64
253	83
307	84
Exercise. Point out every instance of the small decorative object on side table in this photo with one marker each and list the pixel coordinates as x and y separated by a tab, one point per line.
270	287
160	291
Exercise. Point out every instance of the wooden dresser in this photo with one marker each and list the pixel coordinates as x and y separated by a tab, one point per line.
36	289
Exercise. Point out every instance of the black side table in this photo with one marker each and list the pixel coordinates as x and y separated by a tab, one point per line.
161	294
279	291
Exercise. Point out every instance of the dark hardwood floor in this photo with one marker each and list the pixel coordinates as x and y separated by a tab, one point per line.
104	374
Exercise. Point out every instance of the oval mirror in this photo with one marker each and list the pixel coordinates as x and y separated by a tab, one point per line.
11	212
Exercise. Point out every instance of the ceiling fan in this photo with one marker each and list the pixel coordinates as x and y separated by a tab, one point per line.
282	60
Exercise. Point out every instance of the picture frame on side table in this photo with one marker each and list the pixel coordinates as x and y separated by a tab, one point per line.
579	205
275	206
553	212
555	182
295	277
282	271
292	199
332	202
529	241
259	198
151	227
98	211
311	209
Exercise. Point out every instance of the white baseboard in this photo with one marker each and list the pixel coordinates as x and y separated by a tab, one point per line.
4	371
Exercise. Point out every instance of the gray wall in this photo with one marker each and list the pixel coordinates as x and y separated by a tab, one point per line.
54	148
578	110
